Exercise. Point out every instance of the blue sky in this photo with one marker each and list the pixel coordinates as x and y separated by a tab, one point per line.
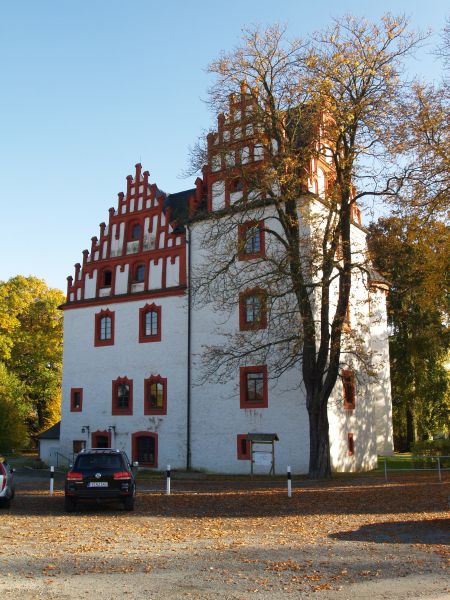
90	87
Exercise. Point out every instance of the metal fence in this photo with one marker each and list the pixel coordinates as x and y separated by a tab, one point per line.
419	464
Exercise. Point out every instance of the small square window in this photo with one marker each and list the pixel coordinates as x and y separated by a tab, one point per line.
243	447
78	446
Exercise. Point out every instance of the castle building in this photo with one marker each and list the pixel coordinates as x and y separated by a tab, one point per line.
134	337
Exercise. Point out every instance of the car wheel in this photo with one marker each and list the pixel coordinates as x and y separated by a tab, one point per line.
128	503
5	502
69	504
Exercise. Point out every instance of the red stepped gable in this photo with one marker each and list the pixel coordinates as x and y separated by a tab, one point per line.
139	234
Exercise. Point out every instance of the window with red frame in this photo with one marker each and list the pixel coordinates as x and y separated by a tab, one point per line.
253	310
76	399
150	323
144	447
236	185
253	387
122	396
243	447
135	232
101	439
251	240
348	384
155	395
107	278
139	274
104	328
350	444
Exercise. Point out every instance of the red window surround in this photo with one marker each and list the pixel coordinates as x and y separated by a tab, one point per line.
122	396
348	386
150	323
347	326
251	240
253	387
104	328
99	438
144	448
76	399
155	395
243	447
253	309
350	444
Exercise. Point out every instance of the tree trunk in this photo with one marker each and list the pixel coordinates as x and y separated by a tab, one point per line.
410	426
319	441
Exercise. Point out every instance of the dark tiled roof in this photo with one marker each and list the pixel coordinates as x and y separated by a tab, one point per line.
179	206
375	277
51	434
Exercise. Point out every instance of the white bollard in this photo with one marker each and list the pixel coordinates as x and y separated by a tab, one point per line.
289	482
52	479
168	481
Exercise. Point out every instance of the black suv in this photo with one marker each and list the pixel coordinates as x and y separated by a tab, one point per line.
100	474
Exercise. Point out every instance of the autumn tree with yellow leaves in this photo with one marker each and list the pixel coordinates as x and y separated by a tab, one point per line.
30	356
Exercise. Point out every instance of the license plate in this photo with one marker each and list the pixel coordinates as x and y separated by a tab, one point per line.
98	484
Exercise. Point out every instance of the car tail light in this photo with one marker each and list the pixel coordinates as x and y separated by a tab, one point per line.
3	472
74	476
122	475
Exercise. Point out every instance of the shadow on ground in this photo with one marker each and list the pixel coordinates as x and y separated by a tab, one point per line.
433	531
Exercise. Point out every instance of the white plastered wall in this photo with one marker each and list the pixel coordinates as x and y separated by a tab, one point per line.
94	368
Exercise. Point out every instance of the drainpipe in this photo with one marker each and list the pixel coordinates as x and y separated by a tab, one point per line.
188	408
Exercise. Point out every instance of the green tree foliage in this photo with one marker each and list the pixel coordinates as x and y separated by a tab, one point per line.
415	259
13	411
31	346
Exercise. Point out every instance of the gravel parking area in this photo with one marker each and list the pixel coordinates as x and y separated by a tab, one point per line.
217	539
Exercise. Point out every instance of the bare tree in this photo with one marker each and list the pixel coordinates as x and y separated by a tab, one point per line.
315	128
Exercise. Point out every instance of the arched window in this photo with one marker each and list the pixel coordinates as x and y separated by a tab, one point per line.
104	328
155	395
122	396
150	323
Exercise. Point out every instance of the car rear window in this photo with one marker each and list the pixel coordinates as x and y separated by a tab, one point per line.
99	461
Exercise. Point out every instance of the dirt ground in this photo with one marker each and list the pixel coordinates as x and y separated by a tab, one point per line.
219	539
